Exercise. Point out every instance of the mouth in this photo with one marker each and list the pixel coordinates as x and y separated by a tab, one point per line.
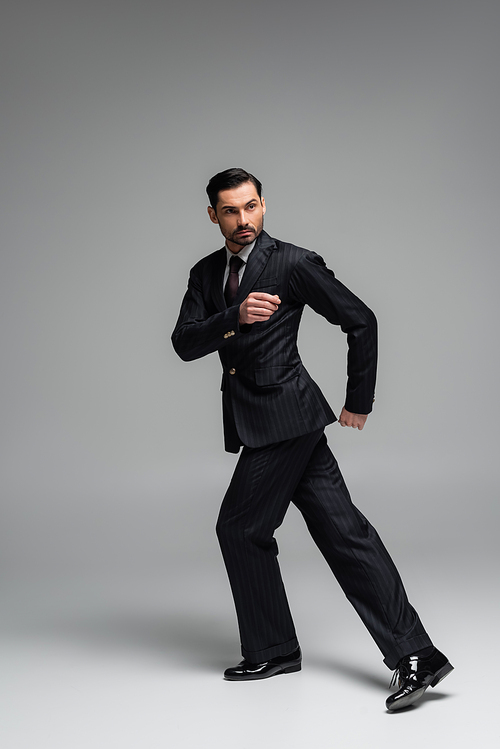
245	231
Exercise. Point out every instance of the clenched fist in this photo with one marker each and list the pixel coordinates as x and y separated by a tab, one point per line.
348	419
258	307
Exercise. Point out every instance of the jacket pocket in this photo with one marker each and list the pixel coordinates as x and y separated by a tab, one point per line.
275	375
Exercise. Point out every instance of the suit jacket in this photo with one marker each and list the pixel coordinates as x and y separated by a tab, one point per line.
268	396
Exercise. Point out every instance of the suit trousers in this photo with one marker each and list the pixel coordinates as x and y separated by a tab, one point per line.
304	471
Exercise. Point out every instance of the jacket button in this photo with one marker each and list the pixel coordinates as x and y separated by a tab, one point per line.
232	370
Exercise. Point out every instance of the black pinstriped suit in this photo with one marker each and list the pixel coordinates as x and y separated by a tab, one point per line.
275	410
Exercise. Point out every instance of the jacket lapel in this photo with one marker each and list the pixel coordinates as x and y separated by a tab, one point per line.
255	265
217	279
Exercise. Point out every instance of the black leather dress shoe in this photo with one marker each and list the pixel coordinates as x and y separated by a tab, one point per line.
414	674
281	664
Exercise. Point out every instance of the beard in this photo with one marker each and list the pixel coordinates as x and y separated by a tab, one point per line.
254	230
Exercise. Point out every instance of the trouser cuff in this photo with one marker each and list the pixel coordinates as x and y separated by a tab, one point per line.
259	656
407	647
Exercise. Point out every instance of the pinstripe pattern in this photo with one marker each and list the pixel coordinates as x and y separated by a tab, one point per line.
266	389
273	407
304	471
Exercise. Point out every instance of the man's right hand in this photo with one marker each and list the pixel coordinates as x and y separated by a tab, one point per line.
258	307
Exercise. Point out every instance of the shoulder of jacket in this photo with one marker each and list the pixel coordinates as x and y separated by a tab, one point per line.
296	254
207	261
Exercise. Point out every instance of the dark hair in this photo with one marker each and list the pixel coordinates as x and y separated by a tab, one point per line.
226	180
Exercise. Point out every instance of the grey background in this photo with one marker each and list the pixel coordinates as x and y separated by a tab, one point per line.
374	128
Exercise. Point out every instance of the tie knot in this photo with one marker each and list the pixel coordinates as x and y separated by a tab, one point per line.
235	264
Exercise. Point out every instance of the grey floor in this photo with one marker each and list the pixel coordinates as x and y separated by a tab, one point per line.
117	621
136	662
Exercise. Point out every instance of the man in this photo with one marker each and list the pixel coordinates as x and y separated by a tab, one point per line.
245	301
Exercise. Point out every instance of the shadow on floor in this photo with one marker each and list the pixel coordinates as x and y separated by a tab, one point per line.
352	672
199	641
204	642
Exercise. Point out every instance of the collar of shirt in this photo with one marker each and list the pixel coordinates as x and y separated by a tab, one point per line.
242	254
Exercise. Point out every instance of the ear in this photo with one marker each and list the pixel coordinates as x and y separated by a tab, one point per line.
263	206
213	215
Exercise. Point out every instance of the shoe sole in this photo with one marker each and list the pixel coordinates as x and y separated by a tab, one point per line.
410	699
257	677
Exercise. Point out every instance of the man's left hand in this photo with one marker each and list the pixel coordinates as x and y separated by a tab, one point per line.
348	419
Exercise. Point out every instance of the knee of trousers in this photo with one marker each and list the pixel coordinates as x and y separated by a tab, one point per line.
232	533
227	531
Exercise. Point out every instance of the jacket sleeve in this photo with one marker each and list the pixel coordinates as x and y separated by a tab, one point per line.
314	284
197	333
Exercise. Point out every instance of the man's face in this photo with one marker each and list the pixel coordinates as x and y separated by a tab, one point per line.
240	215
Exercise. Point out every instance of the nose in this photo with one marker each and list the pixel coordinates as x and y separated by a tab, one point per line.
242	218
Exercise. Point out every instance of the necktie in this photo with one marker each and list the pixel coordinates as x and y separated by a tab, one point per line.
232	282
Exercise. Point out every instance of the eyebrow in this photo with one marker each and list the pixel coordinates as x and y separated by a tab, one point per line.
254	200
